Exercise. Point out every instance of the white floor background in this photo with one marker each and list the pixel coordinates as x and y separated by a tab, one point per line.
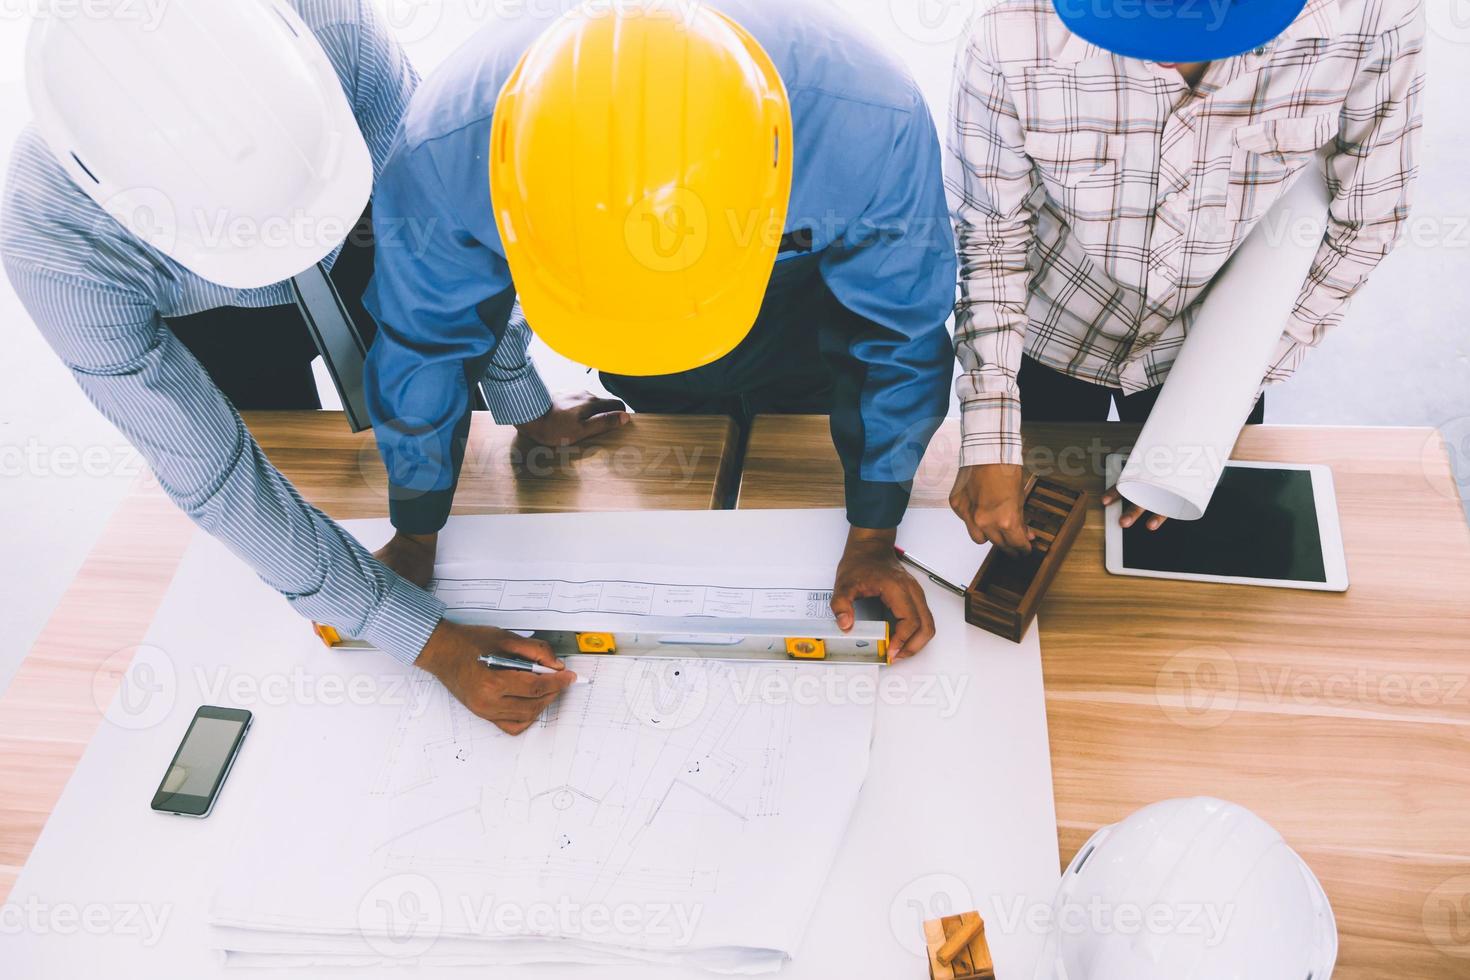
1403	357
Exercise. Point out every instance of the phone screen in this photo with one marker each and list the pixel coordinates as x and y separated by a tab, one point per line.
1261	523
199	766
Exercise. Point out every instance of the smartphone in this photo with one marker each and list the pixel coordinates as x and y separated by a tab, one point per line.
203	760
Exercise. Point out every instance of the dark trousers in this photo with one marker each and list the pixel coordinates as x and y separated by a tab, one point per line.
260	358
1048	395
778	369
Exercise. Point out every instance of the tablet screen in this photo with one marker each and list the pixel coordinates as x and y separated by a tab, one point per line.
1260	524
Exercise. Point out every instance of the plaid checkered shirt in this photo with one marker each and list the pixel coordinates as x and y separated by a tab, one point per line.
1096	196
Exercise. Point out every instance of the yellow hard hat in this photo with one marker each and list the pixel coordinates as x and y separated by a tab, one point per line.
640	171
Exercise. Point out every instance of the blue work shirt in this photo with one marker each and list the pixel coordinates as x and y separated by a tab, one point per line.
867	208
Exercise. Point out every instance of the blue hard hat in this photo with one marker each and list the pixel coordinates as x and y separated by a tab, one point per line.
1178	30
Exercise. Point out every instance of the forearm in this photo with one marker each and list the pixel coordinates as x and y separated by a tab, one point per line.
211	467
890	395
990	338
1347	258
1372	169
418	382
443	311
992	182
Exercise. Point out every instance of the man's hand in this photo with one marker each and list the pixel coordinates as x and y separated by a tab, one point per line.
575	417
1132	512
989	500
411	556
511	700
868	568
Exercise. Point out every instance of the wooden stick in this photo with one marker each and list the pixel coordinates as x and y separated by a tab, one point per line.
955	945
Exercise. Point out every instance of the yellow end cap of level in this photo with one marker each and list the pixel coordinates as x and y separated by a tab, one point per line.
596	643
806	648
329	635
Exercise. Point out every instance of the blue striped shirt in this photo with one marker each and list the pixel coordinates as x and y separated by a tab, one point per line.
99	295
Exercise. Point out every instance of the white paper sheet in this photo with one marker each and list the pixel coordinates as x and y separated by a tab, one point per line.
1214	383
642	817
956	811
625	590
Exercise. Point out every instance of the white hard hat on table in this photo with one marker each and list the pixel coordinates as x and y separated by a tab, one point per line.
218	133
1190	889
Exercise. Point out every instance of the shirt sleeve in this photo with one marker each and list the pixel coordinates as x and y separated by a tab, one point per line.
386	81
894	270
513	391
443	301
146	383
1371	173
991	183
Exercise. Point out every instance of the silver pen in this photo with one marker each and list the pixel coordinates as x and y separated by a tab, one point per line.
515	663
934	576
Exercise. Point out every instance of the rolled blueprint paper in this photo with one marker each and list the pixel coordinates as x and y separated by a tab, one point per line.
1212	387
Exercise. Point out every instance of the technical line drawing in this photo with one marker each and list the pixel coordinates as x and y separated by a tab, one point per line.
630	780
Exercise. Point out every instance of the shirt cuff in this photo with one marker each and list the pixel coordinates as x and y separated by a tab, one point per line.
419	511
990	430
879	506
516	400
403	620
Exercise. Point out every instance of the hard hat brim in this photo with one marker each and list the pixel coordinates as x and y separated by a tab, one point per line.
330	217
645	349
1177	31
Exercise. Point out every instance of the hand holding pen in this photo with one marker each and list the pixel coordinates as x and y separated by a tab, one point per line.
512	697
515	663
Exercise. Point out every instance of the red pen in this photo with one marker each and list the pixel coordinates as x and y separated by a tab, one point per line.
934	576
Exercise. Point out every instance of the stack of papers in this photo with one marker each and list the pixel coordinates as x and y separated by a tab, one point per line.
667	811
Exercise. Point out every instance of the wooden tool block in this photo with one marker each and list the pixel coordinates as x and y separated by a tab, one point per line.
1007	591
961	940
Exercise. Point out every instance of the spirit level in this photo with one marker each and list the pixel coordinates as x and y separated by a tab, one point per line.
601	634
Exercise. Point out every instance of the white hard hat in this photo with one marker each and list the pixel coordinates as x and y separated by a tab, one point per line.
1193	889
214	130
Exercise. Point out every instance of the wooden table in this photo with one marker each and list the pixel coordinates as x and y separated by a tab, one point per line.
1344	720
51	709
